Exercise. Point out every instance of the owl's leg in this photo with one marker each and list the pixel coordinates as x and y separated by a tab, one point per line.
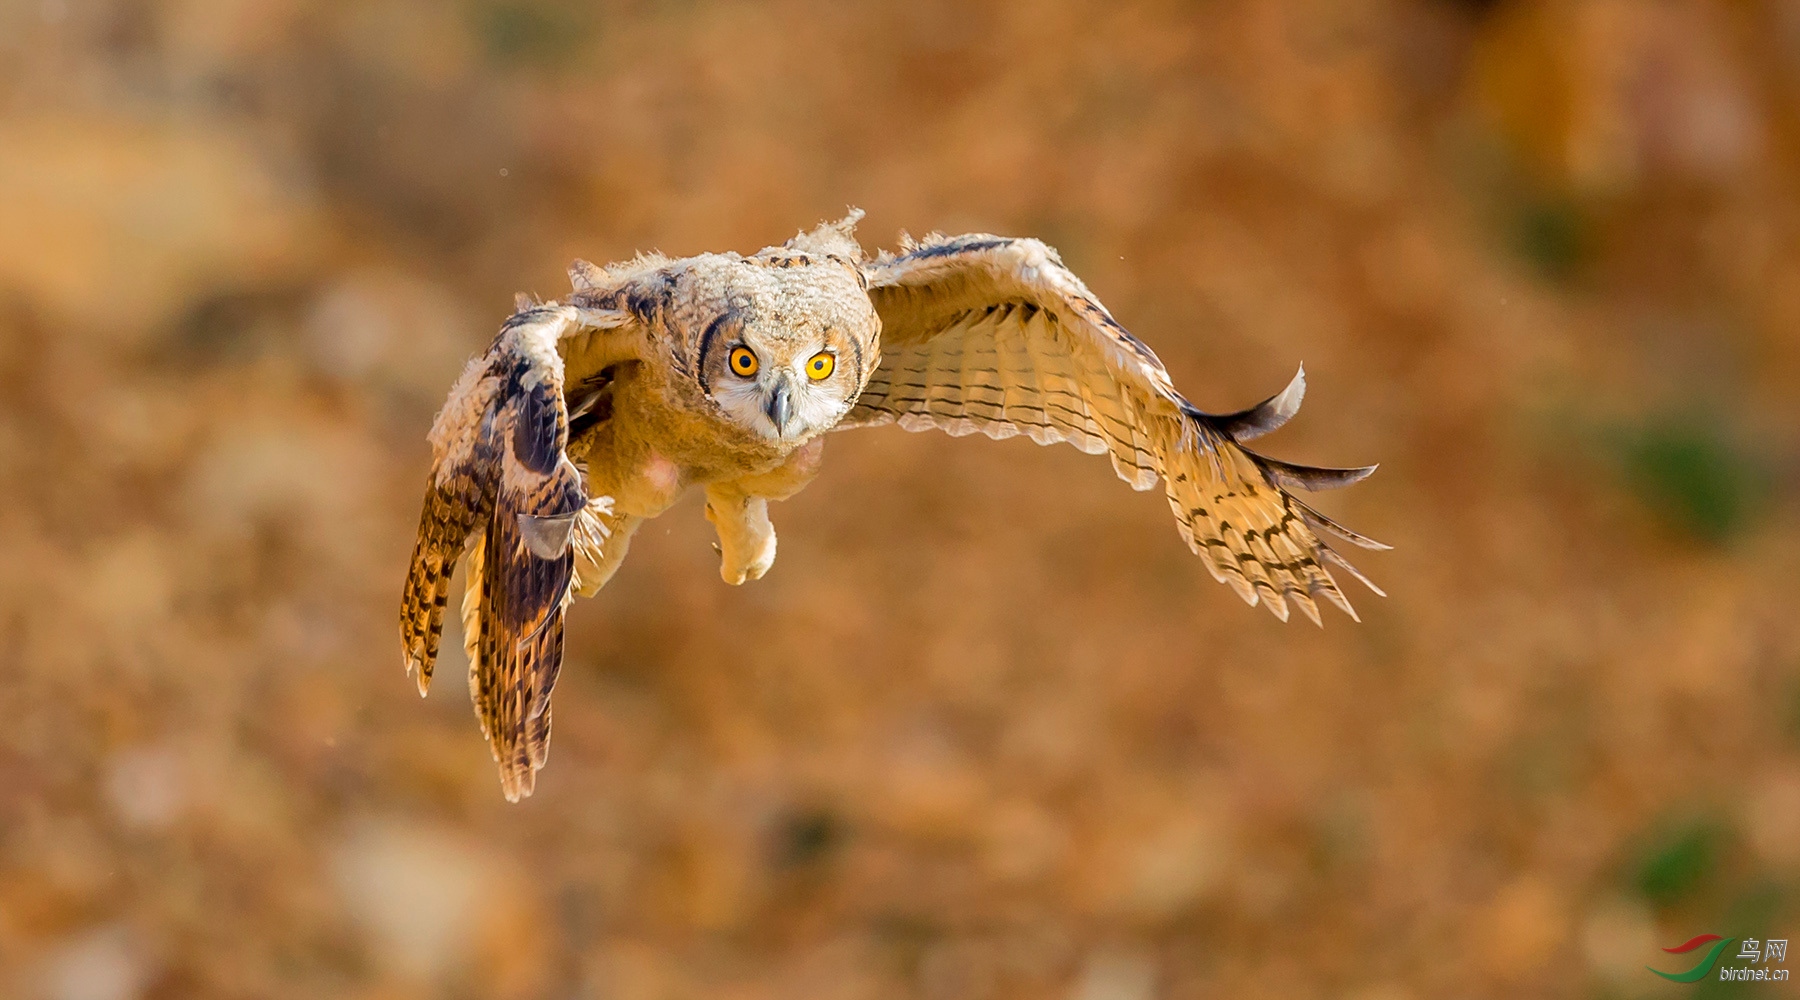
597	557
739	510
746	538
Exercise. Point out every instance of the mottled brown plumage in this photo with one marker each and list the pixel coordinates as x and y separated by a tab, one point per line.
995	335
588	416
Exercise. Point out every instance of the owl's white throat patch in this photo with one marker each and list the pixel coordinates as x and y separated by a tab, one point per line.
814	407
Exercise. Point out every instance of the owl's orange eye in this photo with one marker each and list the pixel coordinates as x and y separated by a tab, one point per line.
820	366
743	361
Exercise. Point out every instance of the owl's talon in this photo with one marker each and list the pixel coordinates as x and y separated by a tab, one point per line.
746	544
757	569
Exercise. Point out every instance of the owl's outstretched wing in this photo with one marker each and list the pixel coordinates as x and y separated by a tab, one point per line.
502	487
983	333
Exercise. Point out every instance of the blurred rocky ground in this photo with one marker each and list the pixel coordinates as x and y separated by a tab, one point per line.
987	730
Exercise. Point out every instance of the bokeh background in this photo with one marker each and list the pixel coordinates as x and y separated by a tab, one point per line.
987	730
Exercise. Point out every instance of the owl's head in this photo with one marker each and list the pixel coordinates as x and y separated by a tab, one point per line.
788	353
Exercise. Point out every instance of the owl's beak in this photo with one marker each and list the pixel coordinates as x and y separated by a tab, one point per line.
781	407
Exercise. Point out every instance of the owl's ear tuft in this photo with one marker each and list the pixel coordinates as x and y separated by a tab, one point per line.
832	237
584	276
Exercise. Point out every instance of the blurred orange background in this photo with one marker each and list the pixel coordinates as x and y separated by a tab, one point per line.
987	730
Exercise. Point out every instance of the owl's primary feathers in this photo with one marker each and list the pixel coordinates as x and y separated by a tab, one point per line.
589	415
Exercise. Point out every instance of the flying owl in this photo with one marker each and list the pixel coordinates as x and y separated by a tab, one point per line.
589	415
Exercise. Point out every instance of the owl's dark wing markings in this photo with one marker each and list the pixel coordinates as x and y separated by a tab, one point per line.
503	488
985	333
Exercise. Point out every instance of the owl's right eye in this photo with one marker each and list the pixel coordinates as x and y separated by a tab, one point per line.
743	361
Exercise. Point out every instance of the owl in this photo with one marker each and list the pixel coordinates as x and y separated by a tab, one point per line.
590	415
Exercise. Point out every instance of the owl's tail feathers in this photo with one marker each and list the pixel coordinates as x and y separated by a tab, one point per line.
1235	509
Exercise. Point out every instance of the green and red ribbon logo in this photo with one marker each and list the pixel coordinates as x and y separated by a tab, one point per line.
1711	958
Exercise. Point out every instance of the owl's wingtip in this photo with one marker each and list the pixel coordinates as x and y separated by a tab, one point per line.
417	669
1266	416
517	784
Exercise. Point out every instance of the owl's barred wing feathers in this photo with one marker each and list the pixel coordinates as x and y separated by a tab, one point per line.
502	488
982	333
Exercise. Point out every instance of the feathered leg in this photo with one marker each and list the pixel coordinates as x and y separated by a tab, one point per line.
601	541
739	511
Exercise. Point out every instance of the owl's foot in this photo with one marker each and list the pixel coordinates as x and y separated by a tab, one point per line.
746	538
737	570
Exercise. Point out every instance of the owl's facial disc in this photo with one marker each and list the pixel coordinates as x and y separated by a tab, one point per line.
785	388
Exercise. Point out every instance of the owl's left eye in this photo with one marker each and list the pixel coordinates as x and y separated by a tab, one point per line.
743	361
820	365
